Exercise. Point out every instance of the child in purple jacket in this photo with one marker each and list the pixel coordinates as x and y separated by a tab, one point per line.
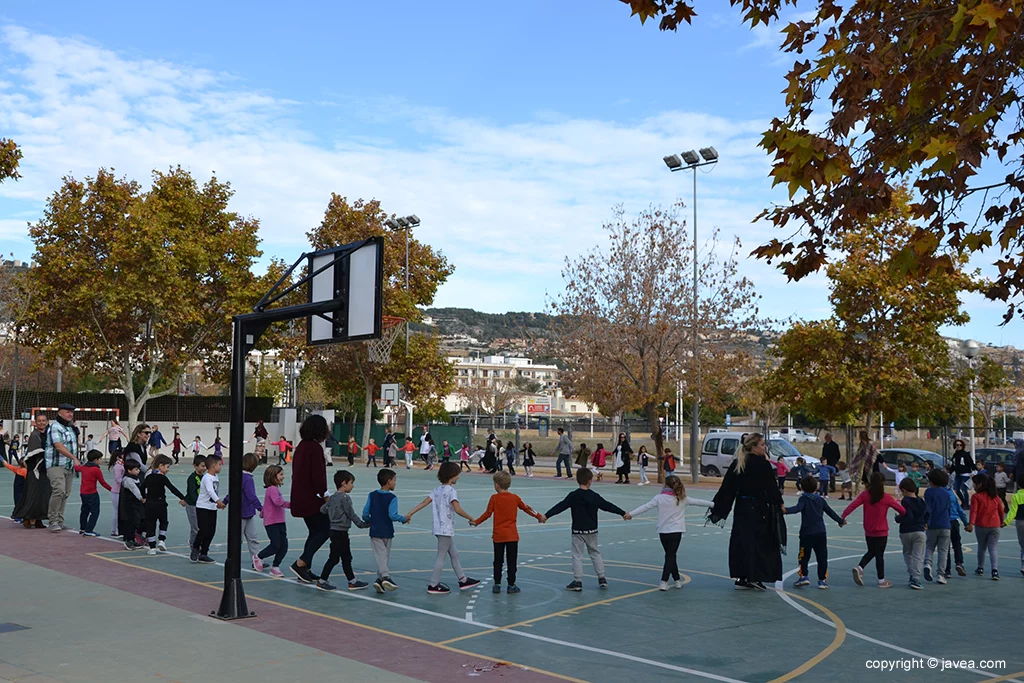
250	506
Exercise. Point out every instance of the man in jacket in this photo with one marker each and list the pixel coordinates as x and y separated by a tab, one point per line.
563	453
830	456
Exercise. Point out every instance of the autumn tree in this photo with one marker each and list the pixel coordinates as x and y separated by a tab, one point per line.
139	283
904	90
994	390
424	372
632	307
880	350
10	159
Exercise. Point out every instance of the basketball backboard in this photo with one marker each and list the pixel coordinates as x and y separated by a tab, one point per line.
390	394
352	275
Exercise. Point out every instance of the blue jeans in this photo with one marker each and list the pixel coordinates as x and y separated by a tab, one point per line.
960	487
567	458
90	512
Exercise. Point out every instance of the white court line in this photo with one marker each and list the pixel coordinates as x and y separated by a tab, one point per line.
476	624
779	590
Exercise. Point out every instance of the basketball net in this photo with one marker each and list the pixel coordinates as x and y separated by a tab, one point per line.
380	349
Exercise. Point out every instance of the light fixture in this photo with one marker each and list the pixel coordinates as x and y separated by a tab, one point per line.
691	158
392	224
414	220
403	222
970	348
673	162
709	153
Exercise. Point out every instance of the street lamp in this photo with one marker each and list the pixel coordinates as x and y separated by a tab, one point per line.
406	223
689	161
971	349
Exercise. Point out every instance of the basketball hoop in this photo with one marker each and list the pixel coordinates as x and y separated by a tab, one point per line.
380	349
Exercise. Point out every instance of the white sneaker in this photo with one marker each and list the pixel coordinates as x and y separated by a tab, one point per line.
151	551
941	578
161	546
663	586
678	583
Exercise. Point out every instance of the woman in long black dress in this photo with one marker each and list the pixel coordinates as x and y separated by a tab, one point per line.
623	453
758	528
34	505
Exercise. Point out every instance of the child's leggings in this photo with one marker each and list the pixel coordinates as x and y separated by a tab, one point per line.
643	476
115	500
465	463
876	552
278	535
446	548
670	542
988	539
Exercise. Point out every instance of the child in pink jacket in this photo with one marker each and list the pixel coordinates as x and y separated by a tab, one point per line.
781	470
876	503
598	460
274	506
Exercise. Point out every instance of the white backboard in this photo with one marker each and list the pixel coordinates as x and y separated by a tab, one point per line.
353	278
390	394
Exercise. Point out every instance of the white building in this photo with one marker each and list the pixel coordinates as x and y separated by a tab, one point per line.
479	374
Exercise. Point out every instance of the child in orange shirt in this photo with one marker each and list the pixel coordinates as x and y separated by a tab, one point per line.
353	450
371	453
505	506
409	449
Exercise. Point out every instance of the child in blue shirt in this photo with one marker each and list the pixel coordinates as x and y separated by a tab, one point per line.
957	516
825	474
913	523
812	508
381	511
800	470
938	533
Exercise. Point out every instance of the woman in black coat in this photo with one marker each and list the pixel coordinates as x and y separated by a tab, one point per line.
758	528
34	505
622	454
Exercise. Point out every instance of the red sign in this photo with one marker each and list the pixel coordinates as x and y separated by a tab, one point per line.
538	408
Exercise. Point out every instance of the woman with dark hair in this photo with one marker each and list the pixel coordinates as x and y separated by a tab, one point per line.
136	448
309	483
963	469
758	528
622	453
863	462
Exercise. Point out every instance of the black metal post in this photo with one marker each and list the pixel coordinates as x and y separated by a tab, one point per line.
232	602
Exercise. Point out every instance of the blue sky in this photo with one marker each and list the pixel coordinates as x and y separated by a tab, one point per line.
511	129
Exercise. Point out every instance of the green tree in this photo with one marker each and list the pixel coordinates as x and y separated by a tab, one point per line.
140	283
10	159
903	89
994	391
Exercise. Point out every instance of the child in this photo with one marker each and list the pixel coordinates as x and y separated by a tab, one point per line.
812	508
876	504
582	456
342	515
1002	482
781	470
176	447
913	522
505	506
90	445
846	482
987	518
643	461
956	517
928	467
381	511
353	450
274	506
464	458
116	463
825	474
598	460
218	447
250	506
900	473
131	508
584	505
529	458
670	462
192	486
936	499
91	475
982	468
371	452
916	474
444	505
1016	501
510	458
284	450
801	469
409	448
207	504
198	446
479	454
671	504
446	452
154	490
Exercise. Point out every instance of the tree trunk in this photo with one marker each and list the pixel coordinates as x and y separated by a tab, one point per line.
651	411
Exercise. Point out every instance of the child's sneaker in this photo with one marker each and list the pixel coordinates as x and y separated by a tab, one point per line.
575	586
466	583
663	586
326	585
947	575
960	571
602	582
357	585
941	579
276	572
514	589
206	559
496	588
439	589
858	575
679	583
257	563
927	573
995	574
388	584
193	555
378	586
801	582
161	546
979	572
886	583
151	551
301	573
916	585
823	585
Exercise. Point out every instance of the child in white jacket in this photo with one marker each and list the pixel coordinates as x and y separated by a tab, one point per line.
671	504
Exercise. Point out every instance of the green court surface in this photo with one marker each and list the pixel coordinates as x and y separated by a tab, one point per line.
705	631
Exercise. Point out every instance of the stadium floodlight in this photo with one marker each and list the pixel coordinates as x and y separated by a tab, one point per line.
414	220
673	162
709	153
691	158
392	224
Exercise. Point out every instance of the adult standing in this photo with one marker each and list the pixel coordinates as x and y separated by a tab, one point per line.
309	485
390	447
261	435
623	453
3	440
426	446
114	436
35	499
61	455
136	448
863	462
156	442
830	456
563	454
963	469
758	528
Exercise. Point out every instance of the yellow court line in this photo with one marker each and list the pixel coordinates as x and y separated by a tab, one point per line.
589	576
571	610
840	637
441	645
1007	677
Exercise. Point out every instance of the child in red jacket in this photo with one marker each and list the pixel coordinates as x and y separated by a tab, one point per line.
876	504
598	460
987	517
92	474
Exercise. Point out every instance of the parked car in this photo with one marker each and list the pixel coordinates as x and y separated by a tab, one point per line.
797	435
993	456
718	450
789	453
718	430
894	456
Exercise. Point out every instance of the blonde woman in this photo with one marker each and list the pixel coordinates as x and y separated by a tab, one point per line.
863	461
758	529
